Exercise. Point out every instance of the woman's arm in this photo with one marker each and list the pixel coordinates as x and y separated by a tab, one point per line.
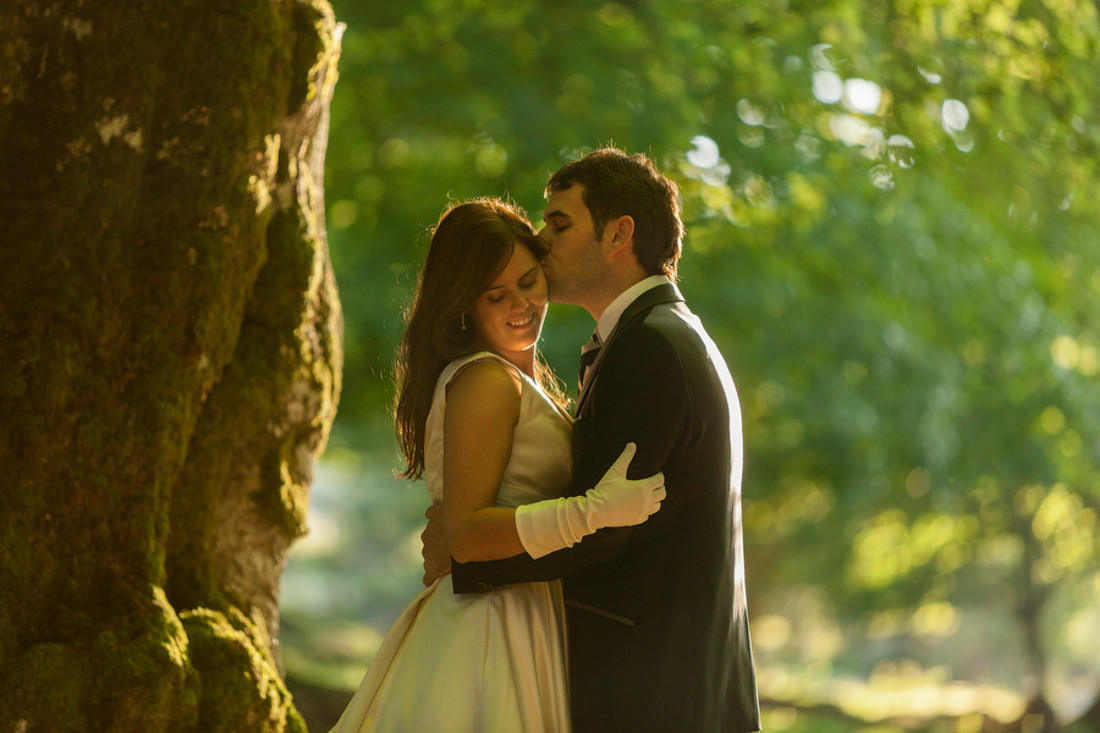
483	403
631	408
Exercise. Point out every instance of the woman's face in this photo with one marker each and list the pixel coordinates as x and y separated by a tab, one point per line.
508	315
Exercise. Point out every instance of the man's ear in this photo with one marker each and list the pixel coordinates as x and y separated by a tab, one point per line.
622	233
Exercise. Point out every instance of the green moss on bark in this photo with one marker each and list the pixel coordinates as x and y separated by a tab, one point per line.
150	189
133	677
242	689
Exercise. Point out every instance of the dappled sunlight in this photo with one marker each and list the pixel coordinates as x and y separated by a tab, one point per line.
956	118
803	502
900	149
1074	687
779	718
706	162
935	620
890	546
1067	530
1069	353
863	125
893	690
751	201
906	690
856	132
771	632
863	96
828	87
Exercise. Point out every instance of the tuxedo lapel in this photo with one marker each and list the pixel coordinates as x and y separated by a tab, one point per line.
665	293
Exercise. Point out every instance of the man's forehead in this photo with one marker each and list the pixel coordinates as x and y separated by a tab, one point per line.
566	202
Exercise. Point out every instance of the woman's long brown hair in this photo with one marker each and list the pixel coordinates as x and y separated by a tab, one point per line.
470	246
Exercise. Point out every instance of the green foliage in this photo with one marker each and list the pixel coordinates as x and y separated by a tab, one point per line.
891	235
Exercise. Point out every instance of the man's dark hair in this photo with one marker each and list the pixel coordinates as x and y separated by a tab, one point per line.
617	184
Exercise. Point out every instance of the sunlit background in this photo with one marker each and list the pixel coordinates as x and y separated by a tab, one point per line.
892	234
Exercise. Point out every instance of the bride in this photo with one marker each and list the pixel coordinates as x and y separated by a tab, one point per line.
481	420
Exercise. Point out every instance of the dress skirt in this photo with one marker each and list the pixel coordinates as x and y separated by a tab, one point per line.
478	663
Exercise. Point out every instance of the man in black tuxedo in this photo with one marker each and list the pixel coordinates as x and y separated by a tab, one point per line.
657	620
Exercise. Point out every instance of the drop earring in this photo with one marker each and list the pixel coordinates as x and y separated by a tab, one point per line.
463	321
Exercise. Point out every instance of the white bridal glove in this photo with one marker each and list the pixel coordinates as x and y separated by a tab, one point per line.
616	501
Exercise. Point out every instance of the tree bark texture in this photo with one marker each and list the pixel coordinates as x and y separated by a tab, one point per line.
170	338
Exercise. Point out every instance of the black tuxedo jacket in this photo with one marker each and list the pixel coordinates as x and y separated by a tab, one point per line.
657	622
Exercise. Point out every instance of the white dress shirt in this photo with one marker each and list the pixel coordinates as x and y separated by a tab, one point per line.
610	317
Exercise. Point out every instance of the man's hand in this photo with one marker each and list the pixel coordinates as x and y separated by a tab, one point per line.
433	546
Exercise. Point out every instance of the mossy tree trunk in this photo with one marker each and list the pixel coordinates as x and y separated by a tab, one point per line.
170	340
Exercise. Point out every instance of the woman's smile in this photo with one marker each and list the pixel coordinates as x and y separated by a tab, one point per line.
523	322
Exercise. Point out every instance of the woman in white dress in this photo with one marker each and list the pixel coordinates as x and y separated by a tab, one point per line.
481	419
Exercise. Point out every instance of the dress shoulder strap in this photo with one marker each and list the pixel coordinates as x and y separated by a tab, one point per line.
455	368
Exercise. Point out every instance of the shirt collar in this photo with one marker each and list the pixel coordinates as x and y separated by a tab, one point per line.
613	312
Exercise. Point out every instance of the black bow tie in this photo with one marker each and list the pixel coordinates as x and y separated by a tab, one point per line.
589	351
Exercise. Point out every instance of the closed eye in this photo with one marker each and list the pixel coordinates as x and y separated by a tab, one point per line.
530	278
557	220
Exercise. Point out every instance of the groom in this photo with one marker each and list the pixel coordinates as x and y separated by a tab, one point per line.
657	621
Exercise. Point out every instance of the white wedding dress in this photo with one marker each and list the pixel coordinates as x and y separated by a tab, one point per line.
487	662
